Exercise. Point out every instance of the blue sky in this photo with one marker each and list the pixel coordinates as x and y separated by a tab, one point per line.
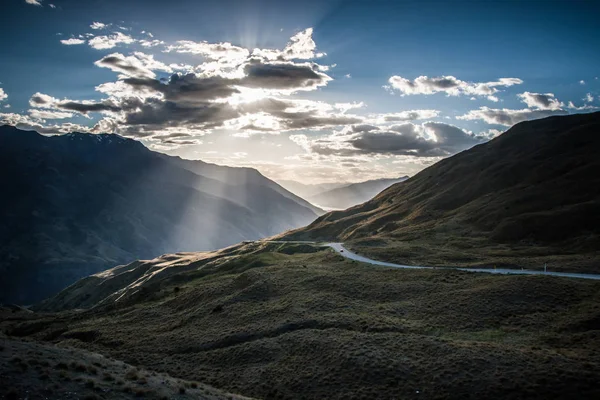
367	89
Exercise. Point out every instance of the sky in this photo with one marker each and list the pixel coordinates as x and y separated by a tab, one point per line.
312	91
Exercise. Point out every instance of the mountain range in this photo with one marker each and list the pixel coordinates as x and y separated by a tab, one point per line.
350	195
79	203
305	190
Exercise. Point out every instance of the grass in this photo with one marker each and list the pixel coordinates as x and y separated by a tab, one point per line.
294	324
475	252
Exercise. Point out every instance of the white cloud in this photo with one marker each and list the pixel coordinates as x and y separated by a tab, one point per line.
110	41
138	65
51	5
3	95
582	108
49	114
543	101
150	43
588	98
72	41
450	85
582	82
404	116
34	2
98	25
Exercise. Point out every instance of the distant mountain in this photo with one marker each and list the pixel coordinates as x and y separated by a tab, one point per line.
307	190
76	204
350	195
535	188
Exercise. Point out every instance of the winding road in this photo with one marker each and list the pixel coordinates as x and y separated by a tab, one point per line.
339	247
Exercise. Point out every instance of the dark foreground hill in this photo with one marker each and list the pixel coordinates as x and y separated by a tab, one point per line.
353	194
295	321
530	196
77	204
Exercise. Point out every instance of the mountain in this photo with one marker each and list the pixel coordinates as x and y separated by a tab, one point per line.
527	197
353	194
307	190
77	204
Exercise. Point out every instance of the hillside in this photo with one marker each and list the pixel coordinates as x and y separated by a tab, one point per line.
353	194
529	196
295	321
78	203
43	371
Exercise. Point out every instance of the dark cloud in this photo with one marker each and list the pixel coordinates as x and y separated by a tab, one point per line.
188	88
430	139
543	101
85	107
283	76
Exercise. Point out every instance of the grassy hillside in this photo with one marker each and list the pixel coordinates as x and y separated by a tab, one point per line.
43	371
295	321
531	195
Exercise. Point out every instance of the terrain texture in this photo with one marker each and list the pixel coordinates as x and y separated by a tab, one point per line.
295	321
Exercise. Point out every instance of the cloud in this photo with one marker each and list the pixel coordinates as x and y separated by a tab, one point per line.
26	122
450	85
138	65
430	139
98	25
3	95
233	88
588	98
581	108
543	101
150	43
72	41
427	140
403	116
187	88
508	117
110	41
45	114
213	51
34	2
51	5
283	76
41	100
582	82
